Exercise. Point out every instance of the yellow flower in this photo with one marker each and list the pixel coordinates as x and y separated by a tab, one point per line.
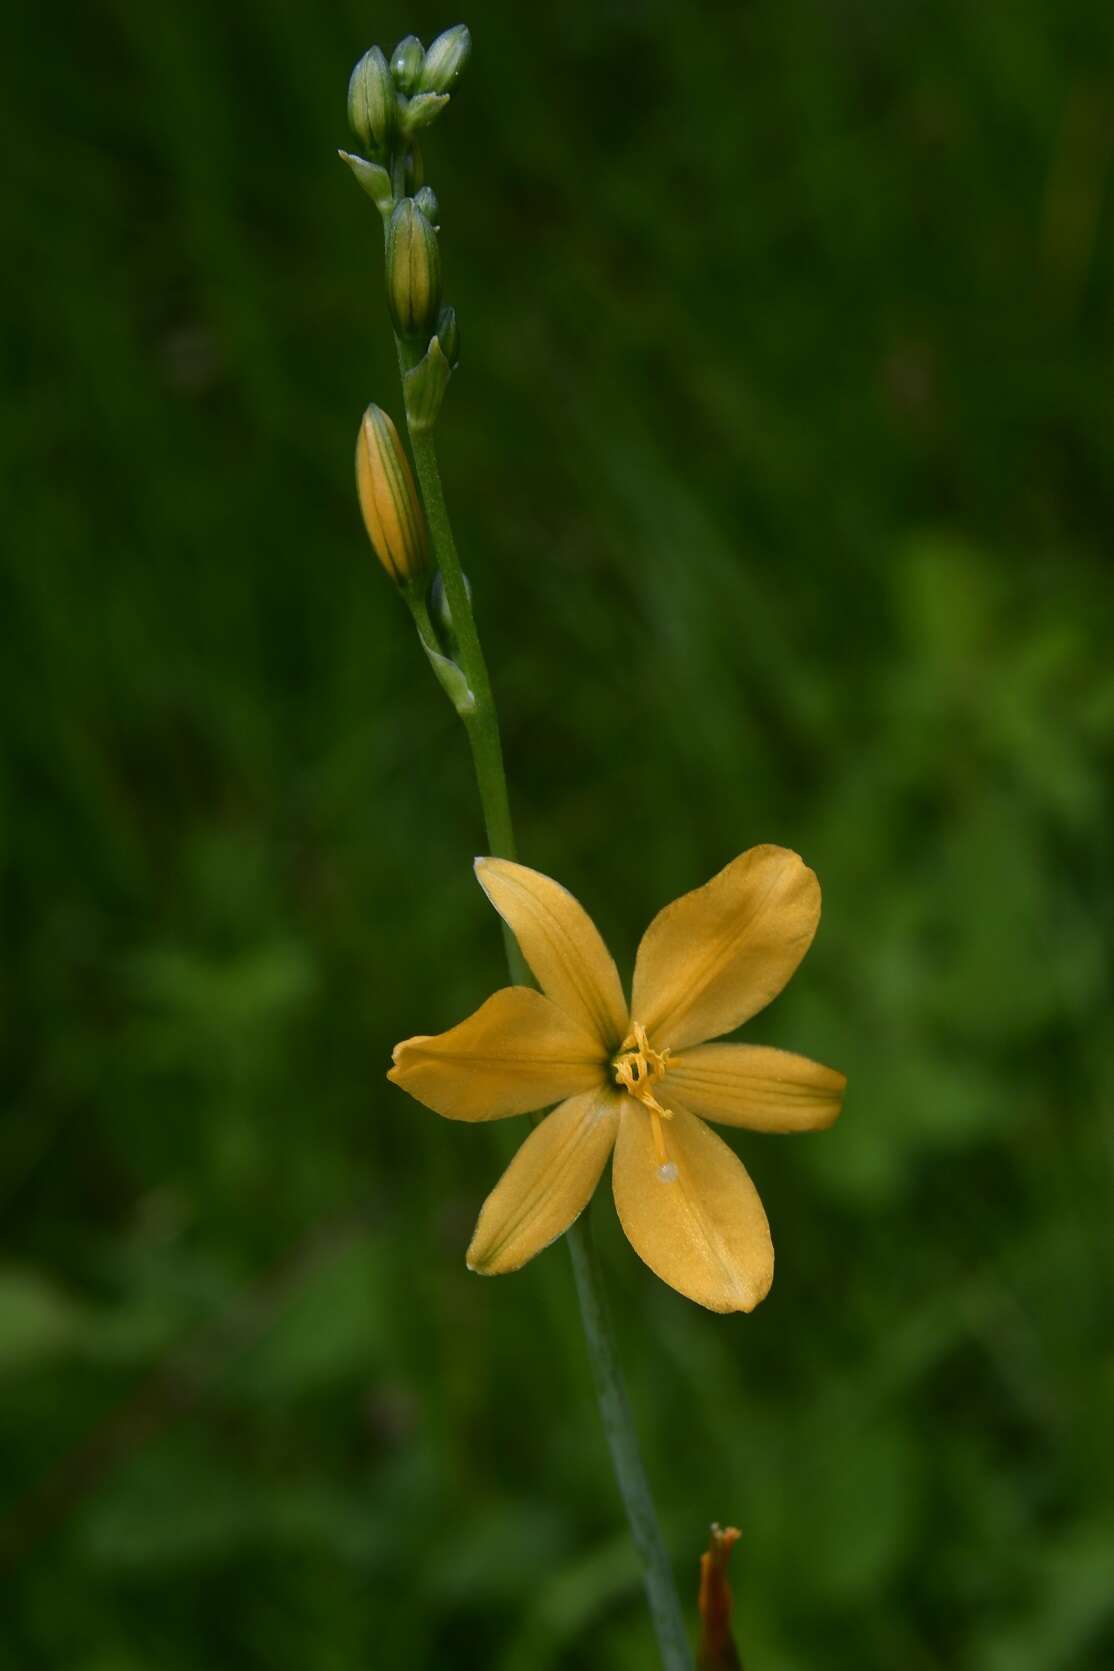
639	1080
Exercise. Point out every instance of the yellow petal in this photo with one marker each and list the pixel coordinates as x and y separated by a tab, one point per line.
518	1052
561	944
701	1227
718	955
756	1086
548	1183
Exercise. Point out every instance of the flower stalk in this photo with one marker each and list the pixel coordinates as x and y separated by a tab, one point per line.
626	1457
482	727
481	721
421	90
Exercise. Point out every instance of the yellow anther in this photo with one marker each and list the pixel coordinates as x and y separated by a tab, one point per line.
637	1069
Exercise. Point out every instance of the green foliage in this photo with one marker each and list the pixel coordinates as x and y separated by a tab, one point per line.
781	465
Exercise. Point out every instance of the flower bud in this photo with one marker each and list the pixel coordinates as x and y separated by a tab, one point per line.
407	61
445	60
413	271
389	500
426	200
372	106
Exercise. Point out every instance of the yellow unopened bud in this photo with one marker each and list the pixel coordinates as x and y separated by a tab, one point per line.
389	498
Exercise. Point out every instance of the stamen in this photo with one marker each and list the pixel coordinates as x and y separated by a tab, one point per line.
637	1068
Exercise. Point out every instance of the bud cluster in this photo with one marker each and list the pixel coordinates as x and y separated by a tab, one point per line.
390	102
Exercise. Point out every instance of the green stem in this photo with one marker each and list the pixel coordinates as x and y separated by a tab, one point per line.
482	725
482	722
626	1458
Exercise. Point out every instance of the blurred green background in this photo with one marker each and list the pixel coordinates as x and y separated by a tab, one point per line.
781	457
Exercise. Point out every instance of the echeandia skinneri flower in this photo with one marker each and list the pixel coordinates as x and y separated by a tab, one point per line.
638	1080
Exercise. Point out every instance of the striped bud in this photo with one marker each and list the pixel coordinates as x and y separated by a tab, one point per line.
372	106
426	200
445	60
413	271
407	60
389	500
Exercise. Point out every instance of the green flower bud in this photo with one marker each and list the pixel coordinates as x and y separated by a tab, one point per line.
407	62
372	106
448	335
375	180
421	110
413	271
389	500
445	60
426	200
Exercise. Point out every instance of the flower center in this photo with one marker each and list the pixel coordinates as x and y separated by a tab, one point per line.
638	1068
